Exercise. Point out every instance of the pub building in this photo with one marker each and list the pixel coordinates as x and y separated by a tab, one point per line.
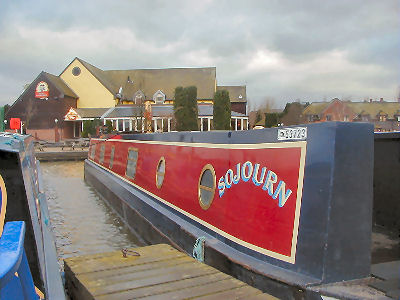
53	107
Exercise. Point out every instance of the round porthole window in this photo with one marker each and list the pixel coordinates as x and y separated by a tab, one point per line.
76	71
160	173
206	186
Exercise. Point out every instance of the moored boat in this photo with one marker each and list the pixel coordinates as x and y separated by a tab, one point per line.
277	208
28	261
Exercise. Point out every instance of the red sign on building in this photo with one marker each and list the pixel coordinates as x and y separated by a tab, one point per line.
15	123
42	90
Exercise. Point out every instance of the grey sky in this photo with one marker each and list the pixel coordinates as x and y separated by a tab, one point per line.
287	50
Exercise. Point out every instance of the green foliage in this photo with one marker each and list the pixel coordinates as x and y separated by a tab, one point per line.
185	108
2	127
6	108
272	119
89	127
109	126
222	110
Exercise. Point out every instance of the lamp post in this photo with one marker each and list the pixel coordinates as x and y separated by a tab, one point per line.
56	136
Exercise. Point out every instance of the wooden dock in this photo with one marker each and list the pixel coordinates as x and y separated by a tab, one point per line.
58	154
160	272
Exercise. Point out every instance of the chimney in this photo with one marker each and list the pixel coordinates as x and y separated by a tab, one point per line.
381	100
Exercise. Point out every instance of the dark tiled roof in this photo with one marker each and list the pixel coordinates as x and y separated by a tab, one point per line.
159	111
149	81
61	85
91	112
235	92
374	108
208	110
315	108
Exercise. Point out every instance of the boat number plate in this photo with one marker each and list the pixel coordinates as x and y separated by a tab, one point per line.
295	133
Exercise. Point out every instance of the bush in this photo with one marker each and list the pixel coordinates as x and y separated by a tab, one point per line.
222	110
89	127
185	108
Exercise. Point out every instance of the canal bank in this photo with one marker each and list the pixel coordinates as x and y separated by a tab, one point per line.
82	223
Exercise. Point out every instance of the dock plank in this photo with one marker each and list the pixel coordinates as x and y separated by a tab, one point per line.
164	287
160	272
236	293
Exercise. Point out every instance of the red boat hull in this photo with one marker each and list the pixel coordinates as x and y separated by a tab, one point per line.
257	188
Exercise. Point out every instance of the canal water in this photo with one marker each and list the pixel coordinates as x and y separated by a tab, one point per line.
81	221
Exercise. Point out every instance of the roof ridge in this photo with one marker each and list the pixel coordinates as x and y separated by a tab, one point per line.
149	69
85	62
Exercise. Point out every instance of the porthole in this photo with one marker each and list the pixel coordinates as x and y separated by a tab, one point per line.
160	172
206	186
76	71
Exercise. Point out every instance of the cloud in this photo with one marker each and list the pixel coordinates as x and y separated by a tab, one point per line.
286	50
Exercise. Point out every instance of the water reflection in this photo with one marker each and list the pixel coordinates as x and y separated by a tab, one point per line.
81	221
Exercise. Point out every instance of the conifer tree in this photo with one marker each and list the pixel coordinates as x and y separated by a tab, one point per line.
222	110
185	108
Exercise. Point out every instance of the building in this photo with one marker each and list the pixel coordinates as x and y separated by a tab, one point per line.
384	115
54	107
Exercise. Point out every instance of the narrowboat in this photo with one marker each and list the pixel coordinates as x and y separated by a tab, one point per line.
287	210
28	261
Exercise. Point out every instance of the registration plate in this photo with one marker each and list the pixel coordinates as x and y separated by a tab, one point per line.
295	133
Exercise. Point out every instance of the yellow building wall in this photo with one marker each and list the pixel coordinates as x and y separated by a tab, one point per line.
91	93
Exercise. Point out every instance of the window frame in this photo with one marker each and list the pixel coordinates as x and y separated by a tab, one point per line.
102	153
128	160
112	154
156	95
203	205
93	151
139	95
162	159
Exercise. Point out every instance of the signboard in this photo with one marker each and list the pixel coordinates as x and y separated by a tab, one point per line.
15	123
72	115
42	90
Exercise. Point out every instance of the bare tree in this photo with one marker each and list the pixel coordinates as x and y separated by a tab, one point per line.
267	105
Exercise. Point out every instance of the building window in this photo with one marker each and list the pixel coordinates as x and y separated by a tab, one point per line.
93	151
382	118
346	118
364	118
127	125
159	97
160	173
328	117
76	71
131	163
102	150
206	186
139	97
112	157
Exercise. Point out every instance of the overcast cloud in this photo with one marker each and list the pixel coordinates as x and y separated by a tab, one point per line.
287	50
